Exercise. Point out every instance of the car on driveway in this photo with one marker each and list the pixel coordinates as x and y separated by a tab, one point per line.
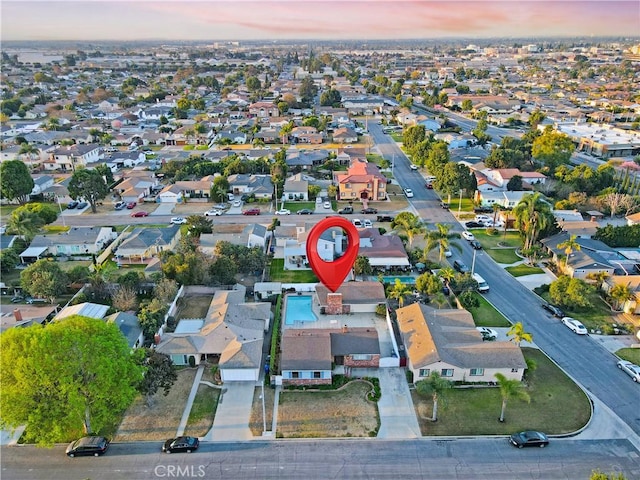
140	213
369	210
475	244
468	236
327	205
214	212
119	206
82	205
487	333
252	211
357	222
630	369
529	438
346	211
71	205
366	223
283	211
181	444
460	267
221	206
305	211
178	220
237	203
574	325
555	311
131	205
88	446
473	224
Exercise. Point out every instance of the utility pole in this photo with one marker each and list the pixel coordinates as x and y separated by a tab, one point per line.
473	262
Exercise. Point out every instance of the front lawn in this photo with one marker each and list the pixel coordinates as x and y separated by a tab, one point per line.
487	316
277	273
295	206
203	411
522	270
630	354
557	406
501	247
595	317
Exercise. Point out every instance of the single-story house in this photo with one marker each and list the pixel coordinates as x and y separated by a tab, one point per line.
145	243
129	325
259	185
351	297
296	188
594	256
446	341
84	309
75	241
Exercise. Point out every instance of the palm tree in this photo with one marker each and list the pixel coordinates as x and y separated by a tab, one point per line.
620	294
285	130
440	239
411	225
25	223
598	277
399	291
510	389
532	215
518	334
448	274
439	299
28	151
435	386
570	245
362	266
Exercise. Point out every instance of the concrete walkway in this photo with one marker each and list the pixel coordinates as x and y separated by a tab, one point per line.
189	404
231	422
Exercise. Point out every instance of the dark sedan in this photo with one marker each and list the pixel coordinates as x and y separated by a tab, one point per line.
305	211
473	225
93	446
369	210
553	310
475	244
181	444
529	438
71	205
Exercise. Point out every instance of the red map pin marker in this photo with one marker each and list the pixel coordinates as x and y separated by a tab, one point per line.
332	274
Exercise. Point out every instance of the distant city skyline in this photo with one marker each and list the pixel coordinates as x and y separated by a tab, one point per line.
320	20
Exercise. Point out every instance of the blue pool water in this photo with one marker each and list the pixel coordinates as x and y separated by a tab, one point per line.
298	309
402	279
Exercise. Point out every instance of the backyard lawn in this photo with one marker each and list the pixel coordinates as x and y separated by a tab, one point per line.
277	273
487	316
557	406
328	413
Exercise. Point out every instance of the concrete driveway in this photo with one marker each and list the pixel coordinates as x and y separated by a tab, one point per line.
231	422
397	415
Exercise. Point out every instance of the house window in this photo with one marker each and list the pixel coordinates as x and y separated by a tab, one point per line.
446	372
295	374
348	185
476	372
361	356
424	372
514	370
317	374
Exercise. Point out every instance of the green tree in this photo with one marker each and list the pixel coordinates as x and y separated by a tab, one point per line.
15	181
438	157
307	89
409	224
569	245
469	300
223	271
572	293
436	387
441	239
620	294
25	223
412	136
552	149
515	184
428	283
330	98
599	475
44	279
453	178
399	291
518	334
47	212
362	266
533	215
253	84
480	132
69	377
151	317
89	185
510	389
9	258
159	374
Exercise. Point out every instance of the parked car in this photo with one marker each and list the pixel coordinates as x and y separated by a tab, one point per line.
131	205
574	325
82	205
213	213
71	205
221	206
429	186
385	218
408	192
444	205
529	438
483	210
473	224
327	205
17	299
305	211
252	211
487	333
140	213
357	222
32	300
461	267
88	446
283	211
413	167
369	210
475	244
346	211
178	220
555	311
119	205
448	253
630	369
366	223
237	203
181	444
468	236
482	219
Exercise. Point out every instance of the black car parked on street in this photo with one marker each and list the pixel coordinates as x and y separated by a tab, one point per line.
553	310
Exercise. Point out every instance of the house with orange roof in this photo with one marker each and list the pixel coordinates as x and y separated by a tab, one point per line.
363	181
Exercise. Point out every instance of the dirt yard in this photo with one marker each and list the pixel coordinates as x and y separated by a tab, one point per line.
255	423
324	414
160	421
193	307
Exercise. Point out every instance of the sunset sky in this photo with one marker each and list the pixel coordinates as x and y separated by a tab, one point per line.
316	19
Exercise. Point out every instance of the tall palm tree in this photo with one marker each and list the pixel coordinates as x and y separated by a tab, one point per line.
518	334
25	223
440	239
399	291
448	274
439	299
285	130
28	151
411	225
620	294
532	216
510	389
570	245
598	277
436	386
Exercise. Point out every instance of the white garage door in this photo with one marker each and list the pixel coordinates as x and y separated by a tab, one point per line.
239	374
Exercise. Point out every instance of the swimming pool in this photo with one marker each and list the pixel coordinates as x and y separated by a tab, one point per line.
298	309
403	279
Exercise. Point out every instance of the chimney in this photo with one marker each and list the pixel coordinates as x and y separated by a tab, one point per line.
344	329
17	314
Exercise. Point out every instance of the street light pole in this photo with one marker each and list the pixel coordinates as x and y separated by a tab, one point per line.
64	223
460	204
473	262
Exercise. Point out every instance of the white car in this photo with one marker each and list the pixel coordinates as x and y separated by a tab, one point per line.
448	253
408	192
357	223
327	205
367	223
283	211
178	220
487	333
237	203
213	213
574	325
630	369
468	235
413	167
